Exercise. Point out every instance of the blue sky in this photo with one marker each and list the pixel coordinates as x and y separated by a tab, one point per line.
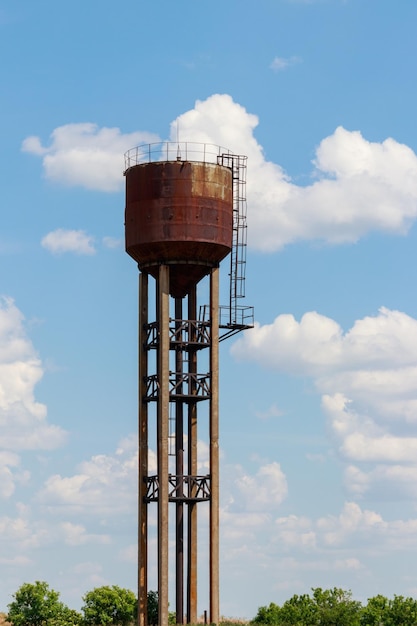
319	400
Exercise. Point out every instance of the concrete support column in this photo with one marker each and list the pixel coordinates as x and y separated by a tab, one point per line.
162	440
179	470
214	448
192	467
143	455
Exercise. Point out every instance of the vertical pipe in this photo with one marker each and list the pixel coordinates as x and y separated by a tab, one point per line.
143	454
214	447
179	465
192	463
162	436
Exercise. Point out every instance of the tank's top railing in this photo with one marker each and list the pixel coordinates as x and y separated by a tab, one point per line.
175	151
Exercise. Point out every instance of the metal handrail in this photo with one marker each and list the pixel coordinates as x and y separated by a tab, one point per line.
175	151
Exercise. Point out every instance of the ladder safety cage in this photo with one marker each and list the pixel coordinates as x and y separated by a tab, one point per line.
237	163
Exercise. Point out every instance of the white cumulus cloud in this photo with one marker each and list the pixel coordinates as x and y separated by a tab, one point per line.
85	155
76	535
357	186
10	473
112	242
367	377
62	240
345	540
23	420
264	491
103	484
281	63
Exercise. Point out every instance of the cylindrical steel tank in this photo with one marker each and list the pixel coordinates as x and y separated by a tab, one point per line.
179	213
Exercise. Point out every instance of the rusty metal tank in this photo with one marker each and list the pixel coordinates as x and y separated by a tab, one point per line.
179	213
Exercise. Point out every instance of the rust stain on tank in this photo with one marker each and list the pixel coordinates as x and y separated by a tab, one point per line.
179	213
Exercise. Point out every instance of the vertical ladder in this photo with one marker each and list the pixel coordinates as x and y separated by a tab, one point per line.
239	241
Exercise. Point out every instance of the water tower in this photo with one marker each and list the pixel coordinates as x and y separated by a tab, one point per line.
185	212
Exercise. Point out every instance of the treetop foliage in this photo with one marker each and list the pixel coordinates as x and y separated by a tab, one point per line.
336	607
35	604
109	605
152	608
38	605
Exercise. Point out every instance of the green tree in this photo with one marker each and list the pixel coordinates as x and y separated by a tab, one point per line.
152	608
375	612
299	611
267	615
109	605
332	607
335	607
35	604
381	611
68	617
402	612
